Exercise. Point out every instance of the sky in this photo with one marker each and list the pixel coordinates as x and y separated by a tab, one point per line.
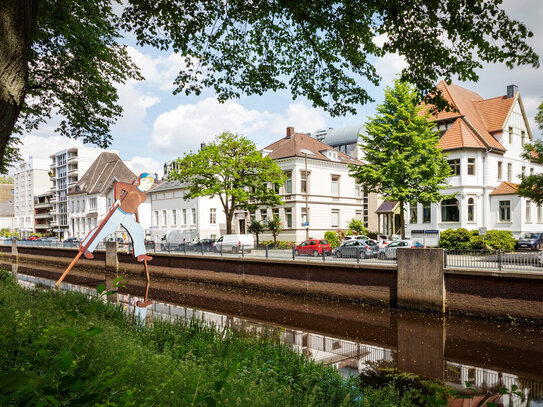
158	126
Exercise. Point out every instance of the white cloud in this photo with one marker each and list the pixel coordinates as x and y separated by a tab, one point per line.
140	164
187	126
41	146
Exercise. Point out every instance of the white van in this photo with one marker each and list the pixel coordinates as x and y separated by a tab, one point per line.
176	238
234	243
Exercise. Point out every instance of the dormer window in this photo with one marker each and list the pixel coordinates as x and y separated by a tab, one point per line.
331	155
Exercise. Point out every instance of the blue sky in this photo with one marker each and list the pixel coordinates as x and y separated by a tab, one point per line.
158	126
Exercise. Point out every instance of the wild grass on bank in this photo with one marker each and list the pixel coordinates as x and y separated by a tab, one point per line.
67	349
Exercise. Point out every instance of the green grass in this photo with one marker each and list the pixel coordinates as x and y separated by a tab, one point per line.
67	349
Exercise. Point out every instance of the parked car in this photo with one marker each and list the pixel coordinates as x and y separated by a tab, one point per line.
71	242
234	243
530	241
389	252
360	237
176	239
357	248
149	243
314	247
34	238
206	244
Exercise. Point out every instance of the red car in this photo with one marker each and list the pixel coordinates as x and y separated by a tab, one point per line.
314	247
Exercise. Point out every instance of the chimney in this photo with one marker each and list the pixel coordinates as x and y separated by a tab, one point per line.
290	132
511	90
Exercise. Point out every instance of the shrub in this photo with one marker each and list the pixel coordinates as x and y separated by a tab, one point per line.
500	240
455	239
358	227
333	237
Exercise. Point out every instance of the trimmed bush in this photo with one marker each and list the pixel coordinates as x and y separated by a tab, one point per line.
500	240
333	237
455	239
463	239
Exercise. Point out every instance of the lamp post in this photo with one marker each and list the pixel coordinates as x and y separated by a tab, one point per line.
306	200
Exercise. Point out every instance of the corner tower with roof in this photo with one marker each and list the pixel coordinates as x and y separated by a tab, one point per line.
484	139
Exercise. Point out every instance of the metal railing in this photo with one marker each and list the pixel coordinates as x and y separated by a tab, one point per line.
494	260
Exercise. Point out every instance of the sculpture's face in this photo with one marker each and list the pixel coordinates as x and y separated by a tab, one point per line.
146	184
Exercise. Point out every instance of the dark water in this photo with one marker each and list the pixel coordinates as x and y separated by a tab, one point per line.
487	354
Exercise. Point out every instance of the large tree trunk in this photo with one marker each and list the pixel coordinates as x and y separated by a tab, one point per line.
17	19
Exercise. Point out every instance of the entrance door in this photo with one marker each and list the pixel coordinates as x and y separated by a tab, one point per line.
242	226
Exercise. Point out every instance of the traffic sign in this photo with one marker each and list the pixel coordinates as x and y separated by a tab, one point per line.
306	224
482	231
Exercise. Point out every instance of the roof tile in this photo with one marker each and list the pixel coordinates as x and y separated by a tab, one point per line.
505	188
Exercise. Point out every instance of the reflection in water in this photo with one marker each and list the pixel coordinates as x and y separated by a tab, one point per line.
488	355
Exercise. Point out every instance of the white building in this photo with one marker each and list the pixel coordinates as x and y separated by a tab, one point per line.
333	197
92	196
31	178
201	217
66	168
484	141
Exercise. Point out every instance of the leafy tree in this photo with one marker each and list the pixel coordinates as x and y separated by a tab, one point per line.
233	169
275	227
6	180
334	238
256	228
65	56
531	186
403	160
357	226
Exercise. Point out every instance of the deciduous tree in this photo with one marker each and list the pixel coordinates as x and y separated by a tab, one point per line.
65	56
403	160
256	228
233	169
275	227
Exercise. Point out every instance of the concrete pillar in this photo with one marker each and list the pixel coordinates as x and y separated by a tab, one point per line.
421	346
421	282
112	261
14	251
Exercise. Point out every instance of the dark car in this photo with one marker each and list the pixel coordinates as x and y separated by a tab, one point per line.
207	245
314	247
149	244
71	242
357	248
530	241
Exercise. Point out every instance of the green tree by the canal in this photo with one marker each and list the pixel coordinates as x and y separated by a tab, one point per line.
67	56
232	168
531	186
256	228
403	160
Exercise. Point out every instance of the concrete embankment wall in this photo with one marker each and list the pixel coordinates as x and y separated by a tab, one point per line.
419	281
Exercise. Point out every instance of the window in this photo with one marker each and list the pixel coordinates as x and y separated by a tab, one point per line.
288	217
413	213
357	191
184	217
523	171
505	211
305	217
108	202
335	218
528	211
358	215
252	215
92	204
531	171
499	170
174	217
164	218
213	216
449	210
510	130
156	218
426	214
509	172
193	211
471	166
305	179
522	137
471	210
335	185
288	183
264	215
455	167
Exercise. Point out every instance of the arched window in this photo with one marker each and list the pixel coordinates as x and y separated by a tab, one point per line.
449	210
471	210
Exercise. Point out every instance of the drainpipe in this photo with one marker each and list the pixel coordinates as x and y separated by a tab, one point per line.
486	197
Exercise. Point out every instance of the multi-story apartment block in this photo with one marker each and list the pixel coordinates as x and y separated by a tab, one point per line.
199	218
65	169
92	196
30	179
318	173
484	139
42	213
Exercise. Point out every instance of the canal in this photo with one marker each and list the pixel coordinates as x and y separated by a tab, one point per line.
487	354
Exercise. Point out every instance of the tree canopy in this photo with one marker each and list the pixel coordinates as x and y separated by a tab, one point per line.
233	169
66	56
403	160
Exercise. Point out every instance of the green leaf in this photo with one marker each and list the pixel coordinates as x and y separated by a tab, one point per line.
503	390
65	361
13	381
100	289
93	331
70	331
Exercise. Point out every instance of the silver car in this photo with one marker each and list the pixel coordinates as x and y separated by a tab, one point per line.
389	251
357	248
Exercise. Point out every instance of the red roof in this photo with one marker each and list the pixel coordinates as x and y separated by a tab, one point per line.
505	188
481	117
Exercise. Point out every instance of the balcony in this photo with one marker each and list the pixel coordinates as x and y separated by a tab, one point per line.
53	199
73	159
43	215
43	205
72	170
42	226
54	222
